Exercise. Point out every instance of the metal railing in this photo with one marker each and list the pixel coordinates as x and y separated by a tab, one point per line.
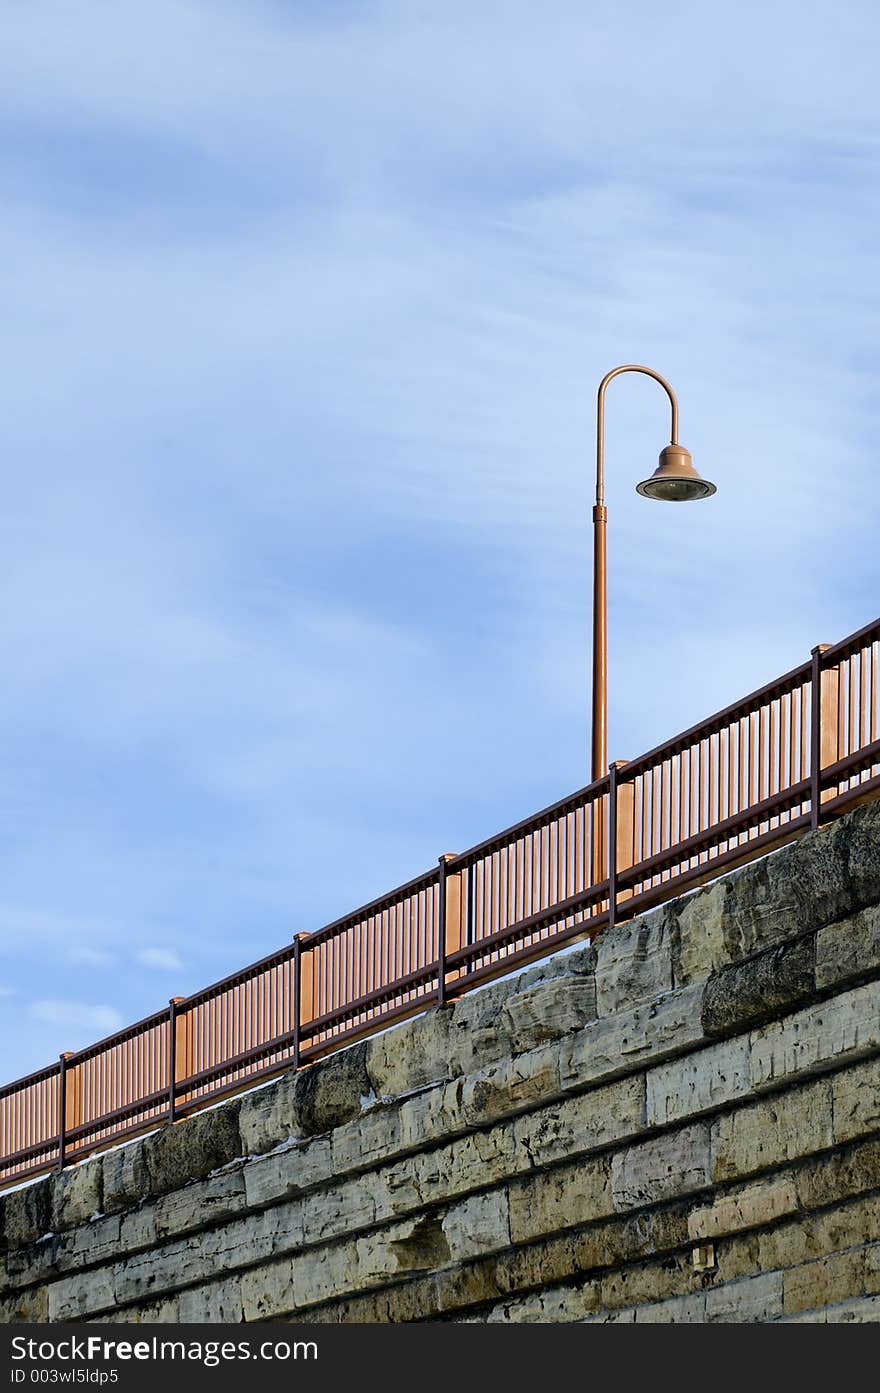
789	756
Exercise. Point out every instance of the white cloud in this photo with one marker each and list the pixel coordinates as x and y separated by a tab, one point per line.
79	1014
162	959
83	955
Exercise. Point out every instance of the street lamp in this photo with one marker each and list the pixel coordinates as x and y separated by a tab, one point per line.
674	480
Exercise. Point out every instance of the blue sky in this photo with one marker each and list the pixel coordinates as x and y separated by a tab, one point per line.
304	309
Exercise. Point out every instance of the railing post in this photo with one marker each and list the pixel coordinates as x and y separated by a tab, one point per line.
297	1013
824	716
174	1071
303	988
66	1097
621	849
450	929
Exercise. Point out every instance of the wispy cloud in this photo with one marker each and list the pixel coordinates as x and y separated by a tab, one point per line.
79	1014
162	959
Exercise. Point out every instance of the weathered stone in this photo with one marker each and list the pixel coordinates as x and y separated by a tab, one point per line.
754	1299
191	1149
268	1291
559	1199
855	1095
86	1293
288	1171
748	1207
333	1090
26	1214
78	1194
771	1132
216	1301
620	1043
700	1082
696	925
416	1053
849	1172
549	1010
583	1123
678	1310
748	993
164	1311
268	1117
660	1169
206	1202
648	1282
125	1178
32	1305
479	1224
369	1139
633	962
508	1087
849	950
803	886
824	1281
818	1037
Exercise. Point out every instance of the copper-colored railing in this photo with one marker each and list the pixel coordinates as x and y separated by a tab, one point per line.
793	754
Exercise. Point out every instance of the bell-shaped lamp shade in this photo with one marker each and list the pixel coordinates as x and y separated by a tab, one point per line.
675	480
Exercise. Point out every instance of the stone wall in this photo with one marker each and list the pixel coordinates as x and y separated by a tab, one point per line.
681	1123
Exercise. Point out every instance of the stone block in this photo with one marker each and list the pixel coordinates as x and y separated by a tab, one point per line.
749	1207
849	950
333	1090
745	994
582	1123
26	1214
203	1203
268	1292
817	1038
855	1097
621	1043
824	1281
801	887
78	1193
775	1130
479	1224
268	1116
700	1082
549	1010
191	1149
125	1177
633	962
753	1300
678	1310
412	1055
508	1087
699	944
288	1171
662	1168
212	1302
848	1172
557	1199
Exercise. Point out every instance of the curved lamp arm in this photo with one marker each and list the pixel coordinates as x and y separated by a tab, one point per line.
600	419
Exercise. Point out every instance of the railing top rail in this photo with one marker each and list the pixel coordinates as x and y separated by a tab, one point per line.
860	639
348	921
119	1037
780	686
582	796
28	1080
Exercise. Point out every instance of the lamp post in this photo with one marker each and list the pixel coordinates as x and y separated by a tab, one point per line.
674	480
